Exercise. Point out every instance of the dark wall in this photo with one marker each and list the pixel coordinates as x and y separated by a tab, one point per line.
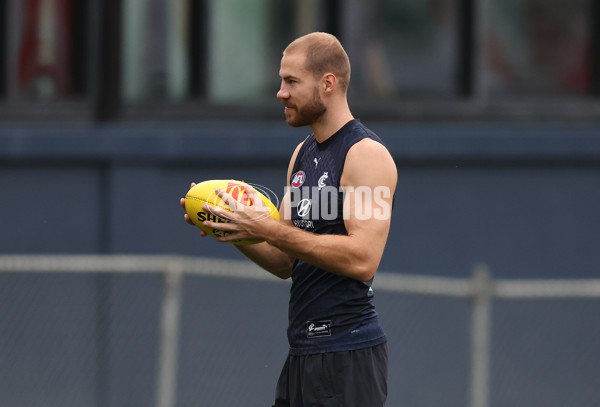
521	198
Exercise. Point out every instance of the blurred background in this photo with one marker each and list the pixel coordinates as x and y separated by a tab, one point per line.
110	108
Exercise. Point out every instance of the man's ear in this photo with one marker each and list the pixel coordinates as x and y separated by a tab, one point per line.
329	82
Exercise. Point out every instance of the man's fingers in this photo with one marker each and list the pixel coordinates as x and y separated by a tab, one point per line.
186	217
233	204
255	198
219	212
188	220
222	226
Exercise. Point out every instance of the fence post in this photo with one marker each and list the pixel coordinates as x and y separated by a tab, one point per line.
482	24
166	384
480	336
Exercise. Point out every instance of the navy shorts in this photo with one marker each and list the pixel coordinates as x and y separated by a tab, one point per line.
356	378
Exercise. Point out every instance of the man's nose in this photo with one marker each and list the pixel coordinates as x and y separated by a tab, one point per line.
283	93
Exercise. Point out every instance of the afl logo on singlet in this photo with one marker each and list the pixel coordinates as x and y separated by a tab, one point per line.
298	179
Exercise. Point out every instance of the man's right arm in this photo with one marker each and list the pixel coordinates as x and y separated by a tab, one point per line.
264	254
269	257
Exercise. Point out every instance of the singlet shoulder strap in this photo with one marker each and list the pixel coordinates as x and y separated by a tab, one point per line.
301	152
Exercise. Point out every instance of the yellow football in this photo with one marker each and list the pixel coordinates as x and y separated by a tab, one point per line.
204	193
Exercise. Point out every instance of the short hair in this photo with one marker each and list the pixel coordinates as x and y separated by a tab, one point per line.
324	53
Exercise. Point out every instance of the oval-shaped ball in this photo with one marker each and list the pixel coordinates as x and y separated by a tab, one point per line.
204	193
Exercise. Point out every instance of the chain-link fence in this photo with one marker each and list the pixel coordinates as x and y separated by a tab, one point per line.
176	331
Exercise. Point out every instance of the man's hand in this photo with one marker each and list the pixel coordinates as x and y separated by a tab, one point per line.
186	217
245	222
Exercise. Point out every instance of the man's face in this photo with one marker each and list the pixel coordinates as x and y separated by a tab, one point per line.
299	92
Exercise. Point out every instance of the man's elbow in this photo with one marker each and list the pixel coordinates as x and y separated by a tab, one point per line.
283	274
283	271
363	260
364	271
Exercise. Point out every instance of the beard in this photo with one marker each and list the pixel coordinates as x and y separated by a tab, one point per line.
307	115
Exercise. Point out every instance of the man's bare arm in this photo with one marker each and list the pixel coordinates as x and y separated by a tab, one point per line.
368	166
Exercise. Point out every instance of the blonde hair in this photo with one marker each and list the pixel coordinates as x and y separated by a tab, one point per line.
324	54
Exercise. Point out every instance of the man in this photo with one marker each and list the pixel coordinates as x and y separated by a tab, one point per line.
329	243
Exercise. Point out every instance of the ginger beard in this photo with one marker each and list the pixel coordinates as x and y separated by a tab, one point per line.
305	116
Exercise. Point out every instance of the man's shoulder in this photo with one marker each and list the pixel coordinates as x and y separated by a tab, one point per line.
369	148
368	157
359	131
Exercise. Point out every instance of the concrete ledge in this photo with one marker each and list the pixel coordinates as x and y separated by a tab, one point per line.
275	141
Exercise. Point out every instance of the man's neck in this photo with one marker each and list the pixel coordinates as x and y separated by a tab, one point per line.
328	124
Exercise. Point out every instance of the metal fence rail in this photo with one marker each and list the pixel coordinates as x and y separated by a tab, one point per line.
481	289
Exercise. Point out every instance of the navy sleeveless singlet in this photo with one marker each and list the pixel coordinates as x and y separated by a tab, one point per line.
327	312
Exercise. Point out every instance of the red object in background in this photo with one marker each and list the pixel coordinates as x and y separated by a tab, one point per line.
579	79
46	46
